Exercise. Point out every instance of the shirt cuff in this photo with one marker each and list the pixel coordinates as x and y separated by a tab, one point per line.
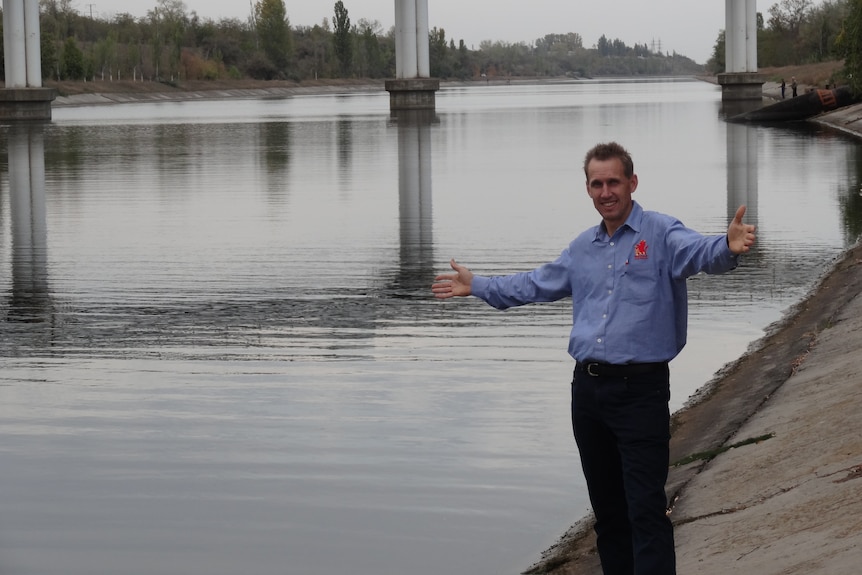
479	286
732	258
727	245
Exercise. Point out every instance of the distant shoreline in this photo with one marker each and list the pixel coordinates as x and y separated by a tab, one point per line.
103	92
811	74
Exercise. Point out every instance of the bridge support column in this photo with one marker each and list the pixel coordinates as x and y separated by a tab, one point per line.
412	88
23	98
740	80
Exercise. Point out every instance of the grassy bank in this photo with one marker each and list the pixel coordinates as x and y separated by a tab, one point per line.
817	74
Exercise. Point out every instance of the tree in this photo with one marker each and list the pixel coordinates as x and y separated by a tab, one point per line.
784	24
169	20
322	53
439	55
603	46
60	11
850	46
369	57
819	31
156	42
717	64
273	31
55	27
788	15
105	54
465	68
343	39
73	60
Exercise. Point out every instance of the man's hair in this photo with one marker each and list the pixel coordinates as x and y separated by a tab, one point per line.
609	151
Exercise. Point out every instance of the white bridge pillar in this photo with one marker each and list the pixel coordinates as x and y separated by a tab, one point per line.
23	98
740	80
412	88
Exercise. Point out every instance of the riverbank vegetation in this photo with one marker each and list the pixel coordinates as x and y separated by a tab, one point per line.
175	48
799	35
172	45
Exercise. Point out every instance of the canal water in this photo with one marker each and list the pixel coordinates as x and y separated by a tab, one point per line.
220	353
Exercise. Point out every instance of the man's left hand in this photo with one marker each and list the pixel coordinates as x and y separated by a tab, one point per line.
740	236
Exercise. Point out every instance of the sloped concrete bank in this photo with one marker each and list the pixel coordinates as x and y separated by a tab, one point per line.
204	95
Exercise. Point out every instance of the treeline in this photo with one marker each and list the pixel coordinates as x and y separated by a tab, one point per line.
797	32
172	44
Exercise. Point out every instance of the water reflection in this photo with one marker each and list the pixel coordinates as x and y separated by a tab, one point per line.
276	146
731	108
850	197
416	261
742	149
344	145
742	180
179	265
29	300
69	158
277	154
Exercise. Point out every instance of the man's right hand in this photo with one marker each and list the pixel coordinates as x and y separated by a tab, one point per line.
451	285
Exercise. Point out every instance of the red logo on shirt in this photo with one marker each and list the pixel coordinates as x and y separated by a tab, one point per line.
640	250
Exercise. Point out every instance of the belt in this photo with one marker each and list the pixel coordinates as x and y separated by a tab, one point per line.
597	369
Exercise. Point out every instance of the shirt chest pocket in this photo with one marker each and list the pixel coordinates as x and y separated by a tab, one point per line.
639	282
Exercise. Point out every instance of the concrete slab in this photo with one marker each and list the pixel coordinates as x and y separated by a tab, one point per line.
789	504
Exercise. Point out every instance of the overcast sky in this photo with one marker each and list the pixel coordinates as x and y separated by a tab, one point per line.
688	27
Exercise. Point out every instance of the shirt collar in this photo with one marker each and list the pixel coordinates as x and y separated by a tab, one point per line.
634	221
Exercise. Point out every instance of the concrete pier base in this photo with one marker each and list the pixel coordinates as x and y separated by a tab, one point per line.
26	104
412	93
736	86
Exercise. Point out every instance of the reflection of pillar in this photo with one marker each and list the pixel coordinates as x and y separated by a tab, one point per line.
30	300
344	142
412	88
414	199
742	170
277	156
740	80
23	97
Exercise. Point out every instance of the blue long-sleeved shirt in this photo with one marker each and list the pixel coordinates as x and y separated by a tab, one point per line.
629	297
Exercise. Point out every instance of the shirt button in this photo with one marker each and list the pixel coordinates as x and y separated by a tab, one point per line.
604	316
612	244
610	291
610	266
599	340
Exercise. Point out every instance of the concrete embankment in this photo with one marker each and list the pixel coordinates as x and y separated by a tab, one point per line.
204	95
771	453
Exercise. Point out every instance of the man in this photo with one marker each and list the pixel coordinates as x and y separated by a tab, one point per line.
627	280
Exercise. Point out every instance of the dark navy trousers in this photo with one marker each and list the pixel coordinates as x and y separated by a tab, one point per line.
622	428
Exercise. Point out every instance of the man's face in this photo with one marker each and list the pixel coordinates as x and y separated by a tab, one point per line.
611	191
